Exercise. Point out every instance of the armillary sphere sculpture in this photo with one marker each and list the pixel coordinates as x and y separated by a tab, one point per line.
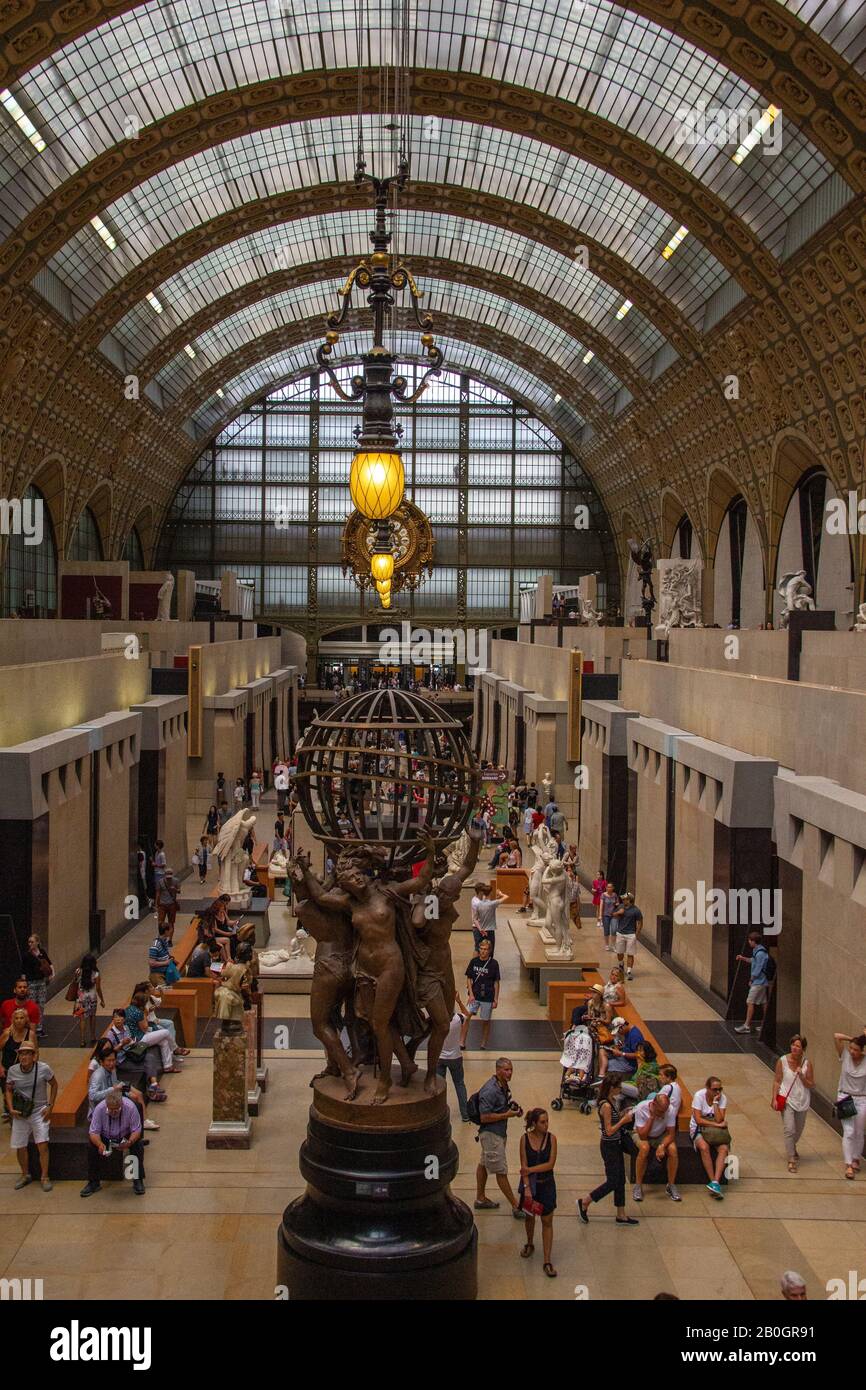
382	768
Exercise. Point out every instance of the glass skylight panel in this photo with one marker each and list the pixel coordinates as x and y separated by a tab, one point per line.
146	64
841	24
254	256
592	200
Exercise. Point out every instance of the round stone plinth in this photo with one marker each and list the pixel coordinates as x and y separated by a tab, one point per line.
407	1107
378	1219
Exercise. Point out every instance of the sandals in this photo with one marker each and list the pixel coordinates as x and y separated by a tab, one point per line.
549	1271
850	1172
181	1052
793	1165
527	1250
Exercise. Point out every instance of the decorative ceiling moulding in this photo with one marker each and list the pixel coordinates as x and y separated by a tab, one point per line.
261	106
762	43
447	326
427	266
422	197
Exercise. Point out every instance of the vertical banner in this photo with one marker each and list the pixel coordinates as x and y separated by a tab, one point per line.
575	691
194	737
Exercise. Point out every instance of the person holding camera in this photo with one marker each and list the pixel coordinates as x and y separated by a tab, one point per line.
496	1108
31	1090
537	1186
614	1121
114	1125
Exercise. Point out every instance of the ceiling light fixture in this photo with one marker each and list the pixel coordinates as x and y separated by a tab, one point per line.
623	309
588	358
99	226
22	121
757	133
679	235
189	350
153	302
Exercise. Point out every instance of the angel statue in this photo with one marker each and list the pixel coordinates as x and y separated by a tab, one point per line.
796	590
231	855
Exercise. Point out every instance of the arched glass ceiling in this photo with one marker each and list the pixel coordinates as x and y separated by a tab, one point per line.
840	23
163	56
488	366
536	334
313	239
592	200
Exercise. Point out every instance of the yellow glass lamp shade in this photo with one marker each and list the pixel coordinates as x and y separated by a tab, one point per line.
385	600
376	483
383	586
382	566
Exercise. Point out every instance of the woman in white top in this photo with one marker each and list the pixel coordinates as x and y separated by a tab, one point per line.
852	1083
613	997
793	1080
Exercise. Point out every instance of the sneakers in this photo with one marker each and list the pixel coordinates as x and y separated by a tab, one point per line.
517	1213
151	1124
716	1190
486	1205
638	1193
47	1185
743	1028
671	1190
89	1189
629	975
24	1181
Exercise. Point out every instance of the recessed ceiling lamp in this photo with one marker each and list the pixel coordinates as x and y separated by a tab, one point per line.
679	235
22	121
757	133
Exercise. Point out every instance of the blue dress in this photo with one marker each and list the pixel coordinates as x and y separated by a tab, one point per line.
542	1187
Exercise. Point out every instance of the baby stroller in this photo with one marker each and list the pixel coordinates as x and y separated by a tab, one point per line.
578	1062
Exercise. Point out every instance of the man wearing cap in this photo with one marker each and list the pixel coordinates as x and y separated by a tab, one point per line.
622	1054
31	1090
628	920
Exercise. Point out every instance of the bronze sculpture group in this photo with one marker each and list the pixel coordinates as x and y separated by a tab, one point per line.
383	958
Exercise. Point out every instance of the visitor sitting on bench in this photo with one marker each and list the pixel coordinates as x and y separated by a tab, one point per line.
114	1124
143	987
622	1054
200	960
103	1081
136	1021
128	1050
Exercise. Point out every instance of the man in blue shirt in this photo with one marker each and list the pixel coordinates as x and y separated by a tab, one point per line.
622	1054
159	955
759	980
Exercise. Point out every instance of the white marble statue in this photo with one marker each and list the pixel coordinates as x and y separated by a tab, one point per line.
680	584
541	844
279	866
232	857
860	620
456	852
796	591
558	918
163	598
589	616
547	787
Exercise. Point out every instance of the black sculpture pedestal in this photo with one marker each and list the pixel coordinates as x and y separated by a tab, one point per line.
378	1220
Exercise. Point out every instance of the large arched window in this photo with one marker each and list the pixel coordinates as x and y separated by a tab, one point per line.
86	543
498	486
133	551
30	568
806	543
683	537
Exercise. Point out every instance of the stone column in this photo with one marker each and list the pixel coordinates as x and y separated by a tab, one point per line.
230	1127
254	1091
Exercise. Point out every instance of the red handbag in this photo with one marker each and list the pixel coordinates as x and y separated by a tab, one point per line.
780	1101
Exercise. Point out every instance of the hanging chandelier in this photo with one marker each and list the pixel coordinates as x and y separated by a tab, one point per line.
376	476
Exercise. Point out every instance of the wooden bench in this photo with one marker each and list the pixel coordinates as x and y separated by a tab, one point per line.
630	1013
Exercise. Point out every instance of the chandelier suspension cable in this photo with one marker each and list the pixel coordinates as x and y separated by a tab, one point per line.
359	14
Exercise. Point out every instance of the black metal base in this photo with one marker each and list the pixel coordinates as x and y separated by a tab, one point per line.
378	1219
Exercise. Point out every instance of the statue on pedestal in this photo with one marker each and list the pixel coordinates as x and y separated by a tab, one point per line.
434	985
860	620
589	616
796	590
383	956
541	843
642	555
557	911
163	599
231	856
680	595
230	995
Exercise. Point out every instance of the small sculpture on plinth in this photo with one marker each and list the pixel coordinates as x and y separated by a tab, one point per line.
860	620
589	616
541	844
232	858
555	888
163	600
642	555
796	591
232	995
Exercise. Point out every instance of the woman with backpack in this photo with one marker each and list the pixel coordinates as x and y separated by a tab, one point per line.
536	1190
614	1118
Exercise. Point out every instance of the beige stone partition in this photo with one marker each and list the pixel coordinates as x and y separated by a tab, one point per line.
223	735
651	758
834	658
283	691
232	665
545	669
162	776
815	730
820	831
115	748
37	700
747	653
603	818
489	687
